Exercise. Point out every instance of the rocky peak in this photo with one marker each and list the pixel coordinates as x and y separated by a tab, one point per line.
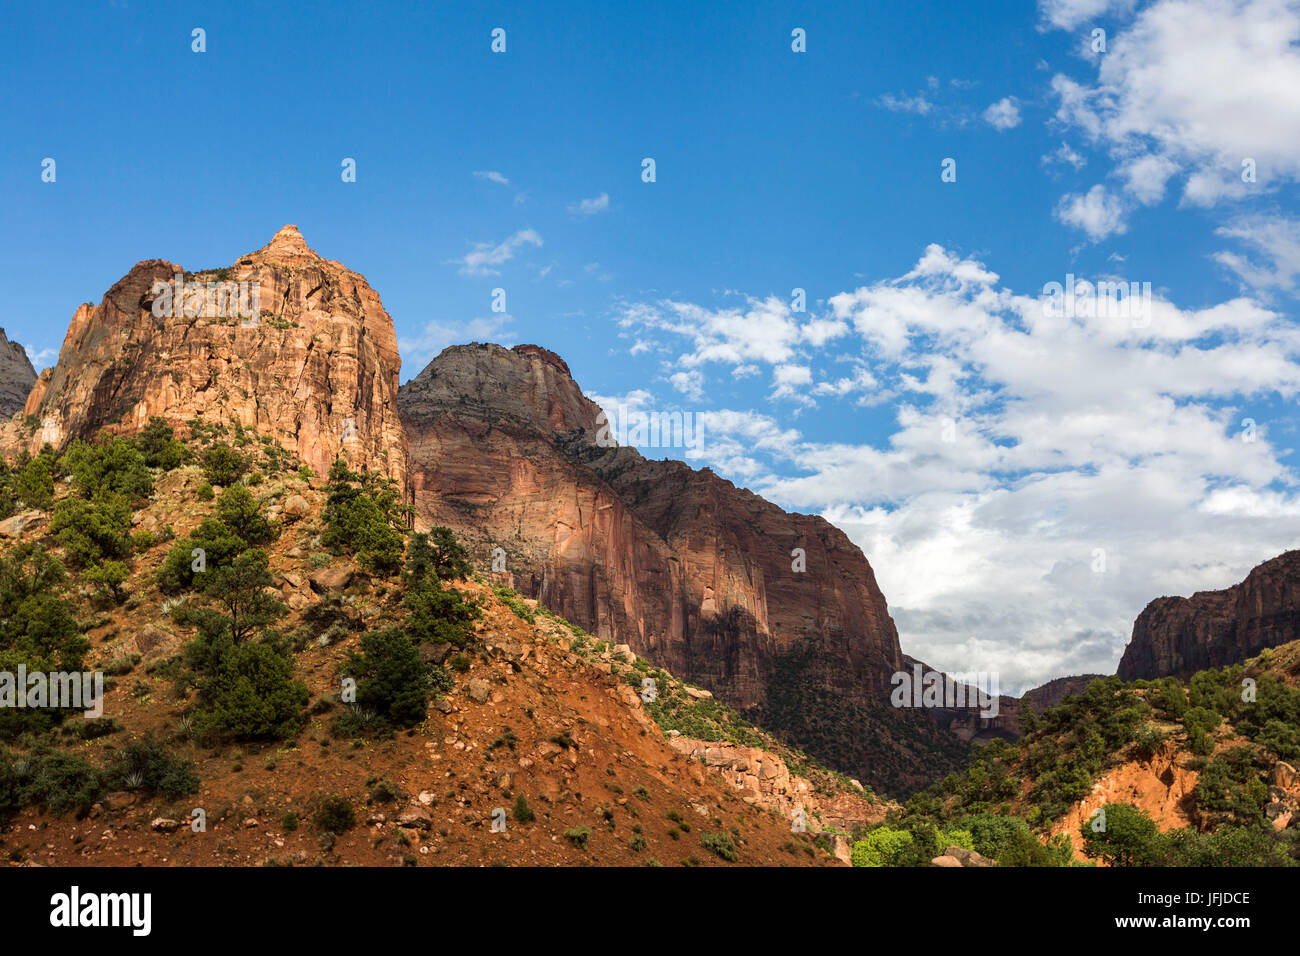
294	346
16	376
286	246
527	387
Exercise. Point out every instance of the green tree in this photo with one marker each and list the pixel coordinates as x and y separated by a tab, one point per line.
240	588
158	444
216	545
439	615
438	553
222	465
391	678
92	531
108	577
883	846
33	479
364	516
1129	837
240	512
250	694
108	464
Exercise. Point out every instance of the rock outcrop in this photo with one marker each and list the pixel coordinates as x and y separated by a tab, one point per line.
763	779
968	723
692	572
294	345
1175	636
16	376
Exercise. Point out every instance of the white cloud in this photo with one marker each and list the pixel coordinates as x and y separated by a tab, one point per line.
480	261
1004	114
1189	90
1066	155
41	358
1068	14
1097	212
690	383
492	176
589	207
1023	444
1274	238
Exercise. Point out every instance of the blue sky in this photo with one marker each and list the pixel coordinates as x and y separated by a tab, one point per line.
981	457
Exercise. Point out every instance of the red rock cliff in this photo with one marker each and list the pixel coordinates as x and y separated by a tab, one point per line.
317	368
1178	636
691	571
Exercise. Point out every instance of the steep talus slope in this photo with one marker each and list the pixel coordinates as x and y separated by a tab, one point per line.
316	369
1179	636
680	564
16	376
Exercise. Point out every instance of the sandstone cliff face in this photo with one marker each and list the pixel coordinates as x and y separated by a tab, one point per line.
316	367
16	376
1179	636
690	571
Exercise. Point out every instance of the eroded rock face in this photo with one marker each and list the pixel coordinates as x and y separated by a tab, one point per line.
1175	636
969	724
16	376
689	570
316	368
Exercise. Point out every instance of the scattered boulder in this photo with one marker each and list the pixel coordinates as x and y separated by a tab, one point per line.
325	580
965	857
478	690
13	527
296	506
434	653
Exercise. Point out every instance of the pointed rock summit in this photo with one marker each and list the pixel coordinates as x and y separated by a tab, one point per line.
285	246
296	347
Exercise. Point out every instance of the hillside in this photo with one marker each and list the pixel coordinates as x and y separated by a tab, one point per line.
226	688
1150	773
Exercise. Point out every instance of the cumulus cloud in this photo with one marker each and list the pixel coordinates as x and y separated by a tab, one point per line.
41	358
1098	212
1045	475
1189	91
483	259
1004	114
1068	14
492	176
